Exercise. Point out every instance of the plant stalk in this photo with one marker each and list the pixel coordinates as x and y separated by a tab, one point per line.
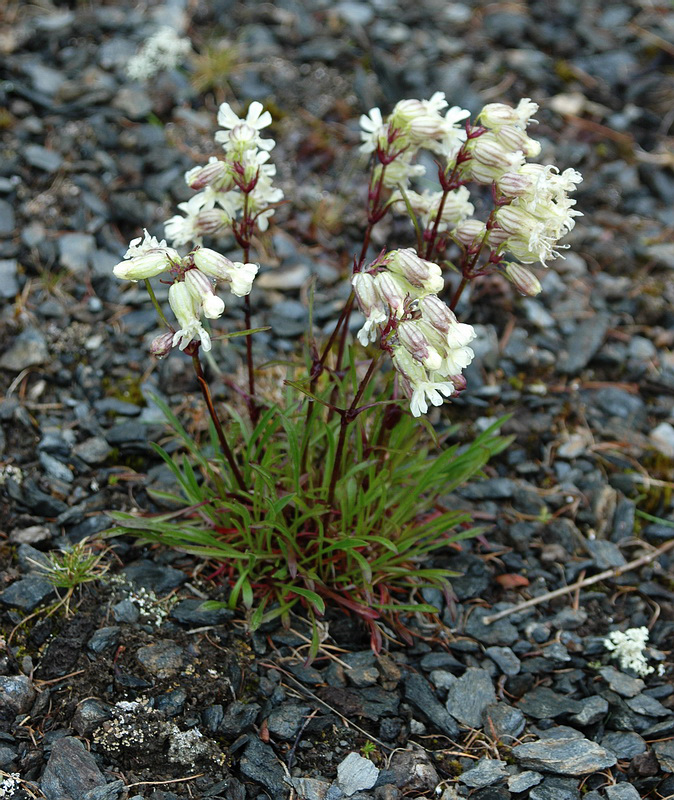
205	391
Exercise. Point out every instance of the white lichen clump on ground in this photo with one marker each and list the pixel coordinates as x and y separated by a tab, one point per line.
9	783
628	648
164	50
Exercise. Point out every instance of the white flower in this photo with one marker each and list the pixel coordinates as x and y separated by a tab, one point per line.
374	131
187	309
241	276
244	133
457	206
146	258
432	391
422	274
628	647
185	230
201	289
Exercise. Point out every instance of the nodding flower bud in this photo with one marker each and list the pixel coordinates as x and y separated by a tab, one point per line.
490	152
419	272
215	174
212	221
416	344
147	265
515	220
513	138
392	290
201	289
437	313
366	292
212	263
515	184
523	279
469	231
162	345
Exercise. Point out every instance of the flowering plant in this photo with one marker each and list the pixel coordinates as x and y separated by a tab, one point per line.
335	492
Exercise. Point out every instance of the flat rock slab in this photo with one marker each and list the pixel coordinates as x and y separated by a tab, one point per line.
564	756
71	771
469	697
164	659
356	773
543	703
622	684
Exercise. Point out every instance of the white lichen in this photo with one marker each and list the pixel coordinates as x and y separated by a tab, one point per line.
628	648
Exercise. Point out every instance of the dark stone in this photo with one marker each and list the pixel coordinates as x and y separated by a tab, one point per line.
624	685
260	765
543	703
523	781
564	756
154	577
625	744
89	714
126	611
419	693
505	659
286	720
34	499
111	791
469	697
64	650
190	612
553	788
664	752
104	638
502	632
649	706
172	703
486	772
238	717
7	757
583	344
506	722
593	710
71	771
16	696
27	593
164	659
622	791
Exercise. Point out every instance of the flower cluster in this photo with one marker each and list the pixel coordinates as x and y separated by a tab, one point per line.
235	191
428	346
192	292
163	50
412	125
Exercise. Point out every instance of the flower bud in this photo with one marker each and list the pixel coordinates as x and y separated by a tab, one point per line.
183	304
419	272
144	266
469	231
392	291
437	313
201	289
416	344
212	221
490	152
515	184
494	115
514	138
215	174
212	263
162	345
366	292
515	220
523	279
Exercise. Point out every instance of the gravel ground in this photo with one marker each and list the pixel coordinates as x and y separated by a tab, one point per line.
141	694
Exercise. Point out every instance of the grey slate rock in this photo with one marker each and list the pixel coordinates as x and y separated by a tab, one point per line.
28	350
506	721
486	772
7	220
27	593
111	791
94	450
7	757
16	696
625	744
126	611
259	763
158	578
40	157
237	718
622	684
555	788
71	771
543	703
355	773
645	704
189	612
469	697
583	344
524	780
76	251
9	285
35	499
593	710
163	659
619	403
622	791
286	720
564	756
505	659
664	752
419	693
104	638
89	714
502	632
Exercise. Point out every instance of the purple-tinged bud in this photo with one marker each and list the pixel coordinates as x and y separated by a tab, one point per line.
212	263
162	345
459	382
469	231
419	272
416	344
496	237
215	174
201	288
437	313
492	153
366	293
515	184
523	279
390	289
515	220
212	222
